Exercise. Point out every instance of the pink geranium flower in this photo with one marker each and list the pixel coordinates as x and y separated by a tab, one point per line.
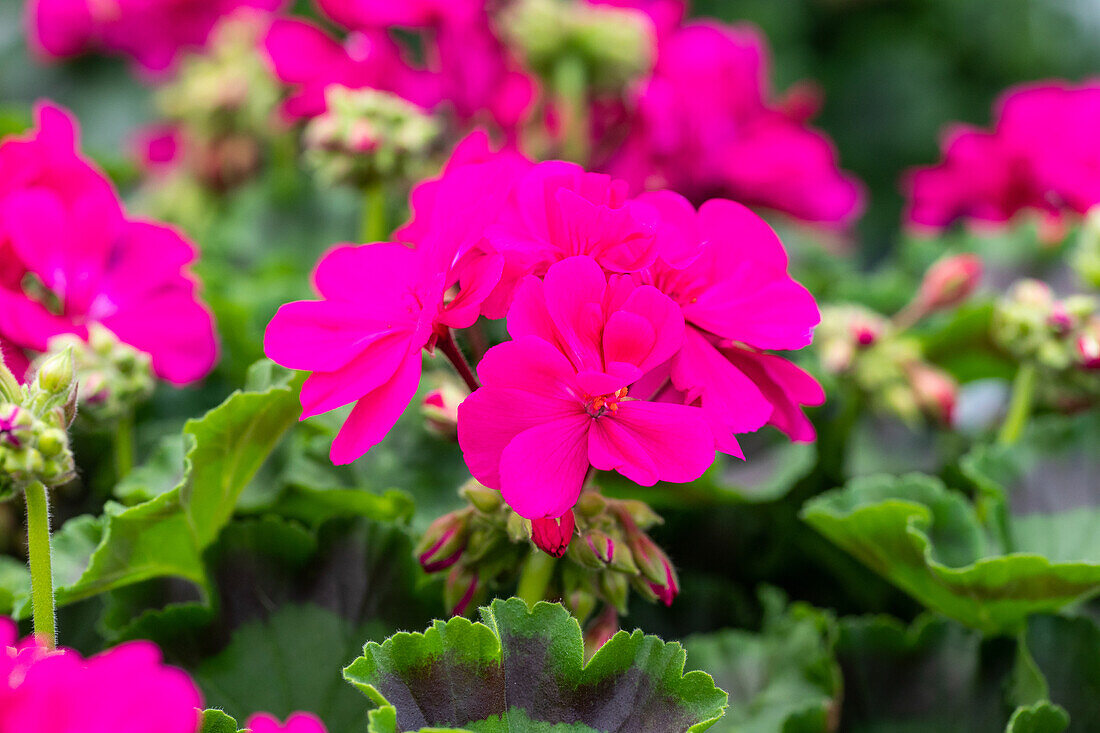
296	723
151	32
1042	155
727	270
558	210
557	399
308	59
704	125
76	259
124	690
381	305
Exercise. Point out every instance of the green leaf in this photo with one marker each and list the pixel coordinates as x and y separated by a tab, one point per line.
929	542
1067	652
782	679
1042	717
216	721
166	535
524	669
289	662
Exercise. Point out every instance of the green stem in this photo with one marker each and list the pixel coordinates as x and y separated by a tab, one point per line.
373	226
571	97
1019	409
535	577
38	550
124	447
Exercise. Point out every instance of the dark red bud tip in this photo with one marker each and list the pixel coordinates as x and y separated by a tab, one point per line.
552	536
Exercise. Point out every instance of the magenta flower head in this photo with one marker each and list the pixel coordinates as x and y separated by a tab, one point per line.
296	723
63	225
151	32
738	301
557	400
309	60
124	690
704	124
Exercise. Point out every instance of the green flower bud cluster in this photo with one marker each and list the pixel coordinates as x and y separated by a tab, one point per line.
884	364
484	544
367	136
34	444
114	377
1059	336
224	100
614	45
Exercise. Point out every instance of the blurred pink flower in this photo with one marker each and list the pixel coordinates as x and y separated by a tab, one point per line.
704	125
1041	155
556	400
124	690
296	723
158	148
76	259
309	60
472	69
665	14
151	32
727	270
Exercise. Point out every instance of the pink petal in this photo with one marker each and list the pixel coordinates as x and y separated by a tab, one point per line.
383	277
476	283
653	441
666	319
703	373
574	289
174	329
321	335
766	309
528	363
786	386
372	369
376	413
542	469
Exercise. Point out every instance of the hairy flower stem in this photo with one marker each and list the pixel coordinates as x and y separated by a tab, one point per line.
535	577
373	226
1019	409
447	345
39	553
124	446
571	98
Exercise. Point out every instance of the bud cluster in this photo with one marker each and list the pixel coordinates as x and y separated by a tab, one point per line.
367	136
34	444
114	377
884	364
615	45
602	544
223	101
1059	336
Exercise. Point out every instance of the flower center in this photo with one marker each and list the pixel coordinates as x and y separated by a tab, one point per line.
604	404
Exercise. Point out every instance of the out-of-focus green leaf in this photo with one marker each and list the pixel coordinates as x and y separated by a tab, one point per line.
929	541
167	534
1038	718
783	679
523	669
216	721
1067	652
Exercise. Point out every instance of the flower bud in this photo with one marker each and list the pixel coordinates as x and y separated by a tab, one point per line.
552	535
56	375
1088	348
484	499
949	282
367	136
443	542
590	504
935	391
460	590
440	409
615	589
580	602
614	45
584	554
600	631
669	588
640	513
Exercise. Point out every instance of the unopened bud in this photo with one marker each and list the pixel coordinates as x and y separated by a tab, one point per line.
552	535
950	281
935	391
600	631
56	375
615	588
1088	349
460	590
443	542
440	409
590	504
484	499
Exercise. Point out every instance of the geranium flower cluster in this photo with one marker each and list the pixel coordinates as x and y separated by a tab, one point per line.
151	32
640	327
1041	155
127	689
70	257
705	123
